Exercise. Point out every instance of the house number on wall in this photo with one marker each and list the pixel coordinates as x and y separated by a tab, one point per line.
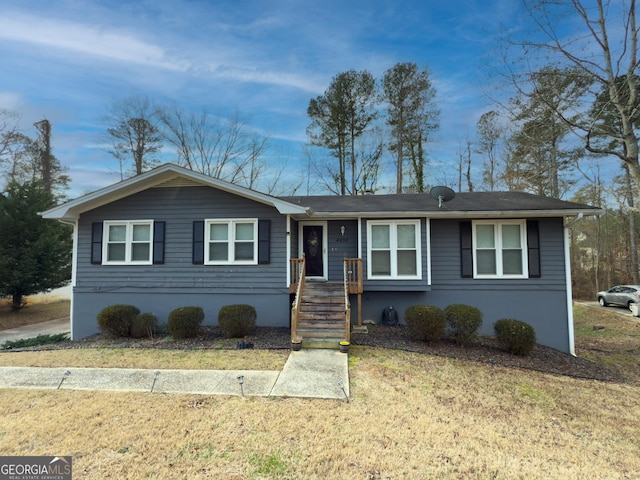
342	240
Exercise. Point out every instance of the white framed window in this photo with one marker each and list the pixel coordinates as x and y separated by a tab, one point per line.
499	249
393	249
231	241
127	242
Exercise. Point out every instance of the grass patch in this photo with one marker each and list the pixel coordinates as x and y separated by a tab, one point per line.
614	342
34	312
36	341
273	465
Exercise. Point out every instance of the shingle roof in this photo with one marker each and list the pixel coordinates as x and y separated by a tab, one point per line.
463	204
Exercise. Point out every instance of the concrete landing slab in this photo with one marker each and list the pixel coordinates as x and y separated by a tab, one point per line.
316	373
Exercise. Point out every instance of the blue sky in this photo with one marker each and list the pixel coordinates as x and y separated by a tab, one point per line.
68	60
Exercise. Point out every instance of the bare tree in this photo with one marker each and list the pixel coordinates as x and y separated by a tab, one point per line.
599	39
133	128
220	148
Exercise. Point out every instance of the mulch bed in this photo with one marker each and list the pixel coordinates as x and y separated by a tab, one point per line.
485	350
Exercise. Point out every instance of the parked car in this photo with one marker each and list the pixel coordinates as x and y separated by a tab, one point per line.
622	295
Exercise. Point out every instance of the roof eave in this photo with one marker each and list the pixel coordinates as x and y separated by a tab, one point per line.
462	213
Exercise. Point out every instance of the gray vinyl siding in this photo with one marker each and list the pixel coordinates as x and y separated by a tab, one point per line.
177	282
340	246
541	302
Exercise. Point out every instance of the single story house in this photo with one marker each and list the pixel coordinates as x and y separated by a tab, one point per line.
172	237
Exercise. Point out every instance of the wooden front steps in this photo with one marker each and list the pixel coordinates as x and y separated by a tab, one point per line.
322	315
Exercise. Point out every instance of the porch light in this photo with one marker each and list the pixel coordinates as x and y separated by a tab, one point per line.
342	230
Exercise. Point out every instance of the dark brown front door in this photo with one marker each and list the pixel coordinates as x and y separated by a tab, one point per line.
313	250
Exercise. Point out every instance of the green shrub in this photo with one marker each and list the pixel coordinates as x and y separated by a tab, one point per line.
425	322
237	320
44	339
464	321
184	322
144	325
117	319
515	336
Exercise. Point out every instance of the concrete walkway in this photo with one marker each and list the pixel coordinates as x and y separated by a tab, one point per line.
52	327
307	373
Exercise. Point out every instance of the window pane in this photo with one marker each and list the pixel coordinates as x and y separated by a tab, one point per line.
139	252
485	237
115	252
486	262
141	233
380	263
244	251
117	233
406	236
407	262
512	262
380	236
244	231
511	236
218	252
219	232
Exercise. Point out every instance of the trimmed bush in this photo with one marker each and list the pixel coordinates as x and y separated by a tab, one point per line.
464	321
515	336
117	319
144	325
184	322
425	322
237	320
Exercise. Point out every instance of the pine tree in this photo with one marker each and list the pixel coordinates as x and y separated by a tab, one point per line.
35	254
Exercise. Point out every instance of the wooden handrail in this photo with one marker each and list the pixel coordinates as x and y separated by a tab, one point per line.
295	273
347	305
300	279
354	274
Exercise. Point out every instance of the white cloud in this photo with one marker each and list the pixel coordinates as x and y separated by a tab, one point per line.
10	100
85	39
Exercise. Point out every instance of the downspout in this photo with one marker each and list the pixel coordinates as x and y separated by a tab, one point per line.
567	269
74	267
288	250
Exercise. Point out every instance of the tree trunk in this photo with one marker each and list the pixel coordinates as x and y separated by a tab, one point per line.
16	302
633	239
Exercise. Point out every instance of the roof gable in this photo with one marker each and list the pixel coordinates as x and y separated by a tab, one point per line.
166	175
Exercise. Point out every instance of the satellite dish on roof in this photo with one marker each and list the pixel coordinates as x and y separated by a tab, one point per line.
442	194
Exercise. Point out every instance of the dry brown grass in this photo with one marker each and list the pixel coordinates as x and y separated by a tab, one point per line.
35	311
410	416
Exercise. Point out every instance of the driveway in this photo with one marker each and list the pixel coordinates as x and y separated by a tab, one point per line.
618	310
52	327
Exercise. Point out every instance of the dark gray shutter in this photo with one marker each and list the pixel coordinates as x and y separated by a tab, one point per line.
158	242
96	243
533	248
264	241
198	242
466	250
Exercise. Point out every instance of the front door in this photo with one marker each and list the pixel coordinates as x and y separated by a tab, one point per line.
313	246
